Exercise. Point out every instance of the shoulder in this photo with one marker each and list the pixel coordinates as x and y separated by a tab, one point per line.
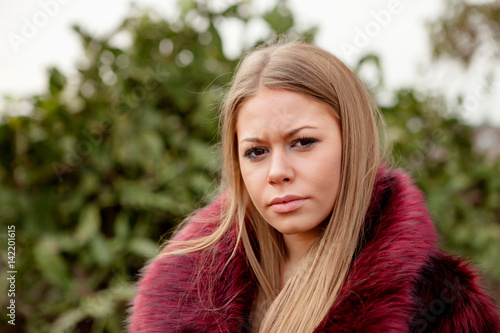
398	236
446	289
451	299
399	275
166	284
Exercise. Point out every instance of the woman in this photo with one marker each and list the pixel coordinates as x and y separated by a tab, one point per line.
311	231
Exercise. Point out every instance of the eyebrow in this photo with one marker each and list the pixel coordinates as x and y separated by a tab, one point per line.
288	134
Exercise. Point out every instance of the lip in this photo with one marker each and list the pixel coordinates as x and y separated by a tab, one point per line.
287	204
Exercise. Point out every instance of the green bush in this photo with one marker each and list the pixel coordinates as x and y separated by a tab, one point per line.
106	166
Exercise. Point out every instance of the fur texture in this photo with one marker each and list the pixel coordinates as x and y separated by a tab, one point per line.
399	280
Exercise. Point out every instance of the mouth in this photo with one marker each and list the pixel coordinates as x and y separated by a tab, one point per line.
287	204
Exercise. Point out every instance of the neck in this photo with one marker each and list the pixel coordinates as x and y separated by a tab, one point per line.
296	247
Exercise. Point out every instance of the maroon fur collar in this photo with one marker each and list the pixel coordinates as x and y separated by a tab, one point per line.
399	281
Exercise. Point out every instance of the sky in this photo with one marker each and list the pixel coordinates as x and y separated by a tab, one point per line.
37	34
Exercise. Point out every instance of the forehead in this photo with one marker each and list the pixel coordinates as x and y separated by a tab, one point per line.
273	111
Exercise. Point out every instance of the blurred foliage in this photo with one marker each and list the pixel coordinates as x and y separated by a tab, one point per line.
467	29
110	161
462	189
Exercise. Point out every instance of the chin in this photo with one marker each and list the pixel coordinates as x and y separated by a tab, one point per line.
296	229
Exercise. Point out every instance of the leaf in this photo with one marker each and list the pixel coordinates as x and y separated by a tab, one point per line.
50	262
122	227
68	321
143	247
88	224
100	251
279	18
57	81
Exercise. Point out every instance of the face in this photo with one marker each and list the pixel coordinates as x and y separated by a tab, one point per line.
290	152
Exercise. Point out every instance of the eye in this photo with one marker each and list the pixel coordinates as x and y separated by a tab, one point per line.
255	152
304	142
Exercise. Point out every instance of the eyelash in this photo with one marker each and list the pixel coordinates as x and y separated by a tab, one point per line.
248	153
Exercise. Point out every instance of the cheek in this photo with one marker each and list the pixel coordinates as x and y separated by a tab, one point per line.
253	180
327	176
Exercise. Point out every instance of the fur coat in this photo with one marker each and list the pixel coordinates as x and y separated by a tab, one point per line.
399	281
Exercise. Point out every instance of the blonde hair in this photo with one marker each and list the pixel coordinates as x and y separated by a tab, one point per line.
309	294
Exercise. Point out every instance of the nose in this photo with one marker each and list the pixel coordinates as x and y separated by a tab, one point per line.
280	170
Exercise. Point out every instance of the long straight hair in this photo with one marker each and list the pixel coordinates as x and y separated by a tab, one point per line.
313	288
